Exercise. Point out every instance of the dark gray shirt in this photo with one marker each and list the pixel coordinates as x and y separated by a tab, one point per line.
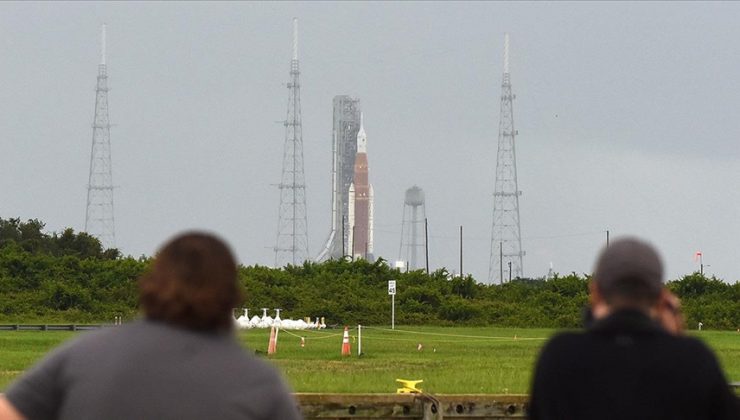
149	370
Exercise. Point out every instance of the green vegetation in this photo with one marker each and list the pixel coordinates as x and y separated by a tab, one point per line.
29	237
466	360
70	278
65	277
356	292
708	300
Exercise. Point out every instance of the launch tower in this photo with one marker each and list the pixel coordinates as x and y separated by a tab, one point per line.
99	213
291	246
506	237
346	125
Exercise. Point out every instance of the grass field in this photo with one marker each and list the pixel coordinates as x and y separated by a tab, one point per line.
452	360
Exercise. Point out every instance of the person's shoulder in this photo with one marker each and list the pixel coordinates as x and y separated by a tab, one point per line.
566	339
248	371
105	334
109	339
245	359
692	343
683	343
692	347
86	339
562	345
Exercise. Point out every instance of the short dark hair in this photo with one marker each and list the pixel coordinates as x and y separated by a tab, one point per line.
629	273
192	283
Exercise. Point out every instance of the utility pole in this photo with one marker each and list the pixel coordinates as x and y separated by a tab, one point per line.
699	256
501	262
352	244
461	252
426	242
344	250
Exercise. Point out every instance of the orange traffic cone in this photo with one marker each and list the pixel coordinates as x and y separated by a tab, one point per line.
272	345
345	343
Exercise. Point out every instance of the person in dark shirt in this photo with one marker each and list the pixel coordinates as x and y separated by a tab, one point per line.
632	362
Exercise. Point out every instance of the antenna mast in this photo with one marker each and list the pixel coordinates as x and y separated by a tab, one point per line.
506	237
291	246
99	221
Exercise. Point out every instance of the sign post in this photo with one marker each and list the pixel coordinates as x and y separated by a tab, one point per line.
392	292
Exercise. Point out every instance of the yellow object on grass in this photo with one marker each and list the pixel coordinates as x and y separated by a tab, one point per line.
408	386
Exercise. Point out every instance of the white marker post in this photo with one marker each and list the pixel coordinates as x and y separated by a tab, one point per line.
359	340
392	292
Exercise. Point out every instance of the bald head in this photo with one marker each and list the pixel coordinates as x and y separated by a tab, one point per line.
629	273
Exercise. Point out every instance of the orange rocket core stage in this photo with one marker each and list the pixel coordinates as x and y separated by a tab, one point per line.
361	203
361	236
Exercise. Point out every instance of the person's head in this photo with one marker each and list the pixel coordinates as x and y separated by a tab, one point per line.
192	283
628	274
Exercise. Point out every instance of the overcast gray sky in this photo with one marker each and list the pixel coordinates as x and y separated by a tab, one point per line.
627	116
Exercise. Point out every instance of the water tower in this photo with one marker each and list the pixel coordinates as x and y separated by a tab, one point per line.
412	228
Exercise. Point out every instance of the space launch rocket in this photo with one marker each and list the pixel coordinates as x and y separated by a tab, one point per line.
360	209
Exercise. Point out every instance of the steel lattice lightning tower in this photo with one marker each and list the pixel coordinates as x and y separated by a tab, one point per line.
292	234
506	237
99	213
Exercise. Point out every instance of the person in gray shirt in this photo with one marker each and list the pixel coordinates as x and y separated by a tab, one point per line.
181	361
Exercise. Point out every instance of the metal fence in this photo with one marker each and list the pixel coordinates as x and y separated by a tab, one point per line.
52	327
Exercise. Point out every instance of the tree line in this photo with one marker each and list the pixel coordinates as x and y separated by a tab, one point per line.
69	277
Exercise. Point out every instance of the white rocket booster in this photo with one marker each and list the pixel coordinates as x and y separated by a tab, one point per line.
351	218
371	227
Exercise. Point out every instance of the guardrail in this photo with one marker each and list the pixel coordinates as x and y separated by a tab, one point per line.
52	327
419	406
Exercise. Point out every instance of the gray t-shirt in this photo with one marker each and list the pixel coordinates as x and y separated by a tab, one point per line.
150	370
